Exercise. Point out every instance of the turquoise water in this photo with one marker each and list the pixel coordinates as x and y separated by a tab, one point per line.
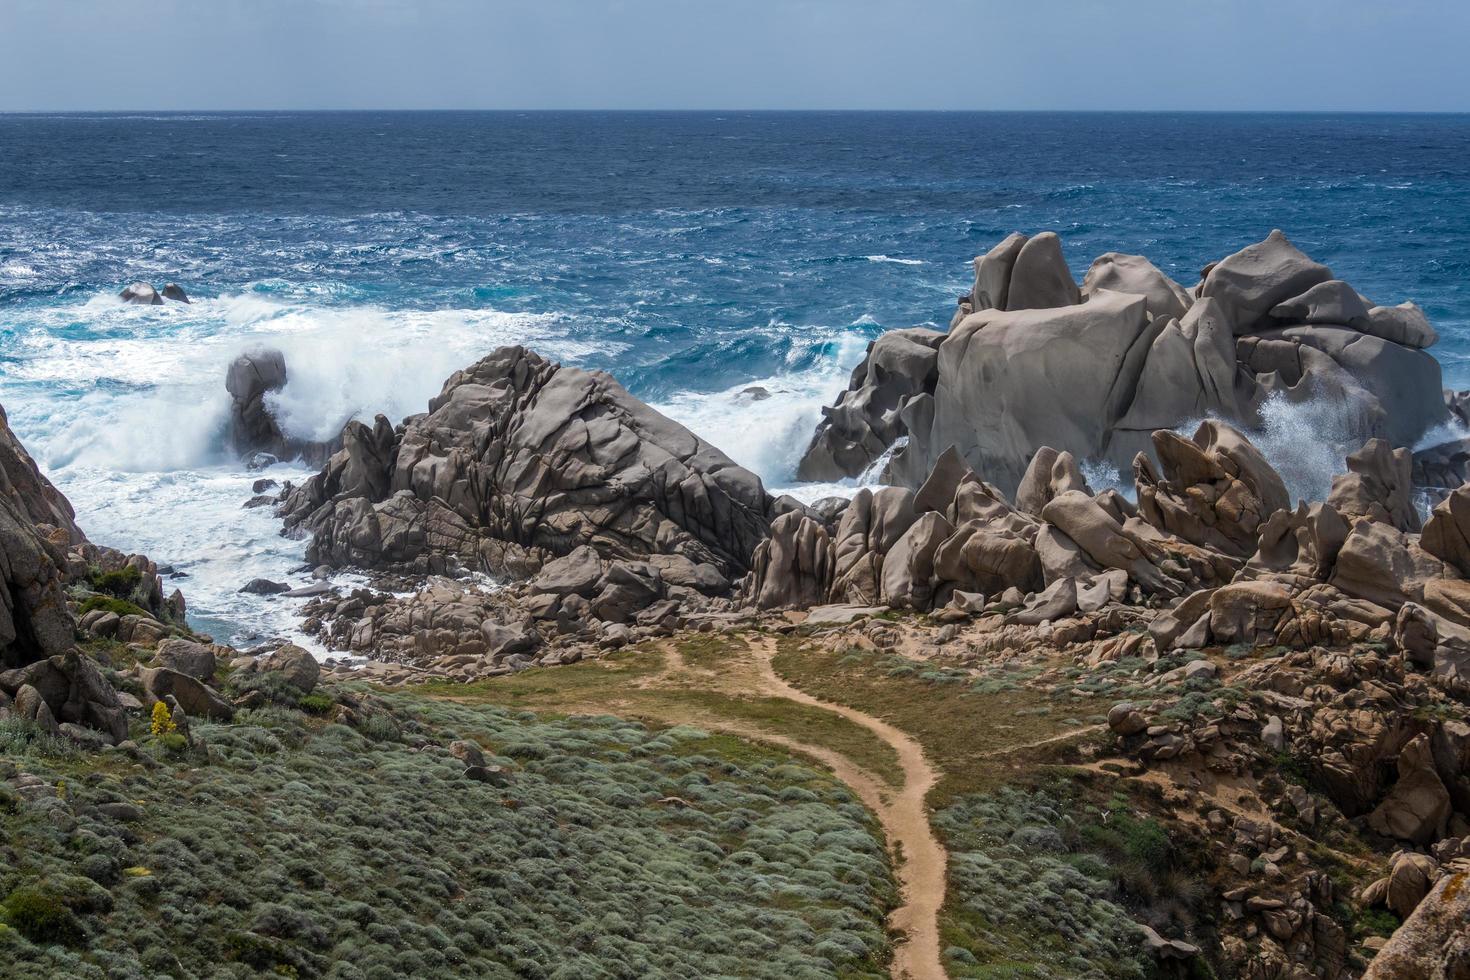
691	254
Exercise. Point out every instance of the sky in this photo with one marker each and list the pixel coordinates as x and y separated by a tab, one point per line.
1382	55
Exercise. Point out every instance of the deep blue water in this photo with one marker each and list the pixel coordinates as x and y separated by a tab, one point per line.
689	253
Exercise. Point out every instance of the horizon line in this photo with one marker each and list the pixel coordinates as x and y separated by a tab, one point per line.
748	110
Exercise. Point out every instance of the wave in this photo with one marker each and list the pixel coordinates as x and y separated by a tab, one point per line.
140	389
889	258
765	424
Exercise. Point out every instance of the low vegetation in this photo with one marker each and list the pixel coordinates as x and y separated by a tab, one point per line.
291	843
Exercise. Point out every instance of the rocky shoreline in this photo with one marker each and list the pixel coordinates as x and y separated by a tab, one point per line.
539	515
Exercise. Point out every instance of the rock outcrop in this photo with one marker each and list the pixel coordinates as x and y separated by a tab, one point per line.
251	377
518	461
1030	360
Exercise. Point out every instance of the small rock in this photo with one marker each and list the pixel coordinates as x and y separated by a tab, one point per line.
264	586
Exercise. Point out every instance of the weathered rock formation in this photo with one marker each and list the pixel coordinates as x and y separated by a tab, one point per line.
518	461
253	428
1031	360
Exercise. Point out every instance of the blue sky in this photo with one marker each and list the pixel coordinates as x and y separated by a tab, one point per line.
877	54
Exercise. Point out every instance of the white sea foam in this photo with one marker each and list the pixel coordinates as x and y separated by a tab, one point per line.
765	424
128	416
889	258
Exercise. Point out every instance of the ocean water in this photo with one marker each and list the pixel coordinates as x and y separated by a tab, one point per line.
694	255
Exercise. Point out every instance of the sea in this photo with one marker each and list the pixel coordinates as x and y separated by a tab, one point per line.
694	255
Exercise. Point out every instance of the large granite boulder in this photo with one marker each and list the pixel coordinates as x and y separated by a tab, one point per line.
1378	485
36	528
1025	365
1446	534
1433	943
793	567
1013	381
520	460
1120	273
866	419
1251	283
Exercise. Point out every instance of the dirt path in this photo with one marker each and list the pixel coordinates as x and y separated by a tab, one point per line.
919	858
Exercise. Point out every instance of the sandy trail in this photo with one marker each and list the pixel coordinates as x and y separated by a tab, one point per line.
919	858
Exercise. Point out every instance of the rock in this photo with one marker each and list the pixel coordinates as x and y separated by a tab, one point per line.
993	274
34	619
1333	301
197	700
493	775
1417	809
908	566
467	752
1190	373
1167	949
1379	563
1378	485
1251	283
1416	634
1057	601
793	568
1248	612
1125	719
625	589
1410	877
72	690
866	419
296	665
262	485
187	657
680	571
576	573
1163	297
308	591
1395	390
1106	542
264	586
1216	489
1167	628
175	292
1039	277
1404	324
519	461
1433	944
1447	532
871	525
141	293
1000	375
30	706
1273	734
1048	474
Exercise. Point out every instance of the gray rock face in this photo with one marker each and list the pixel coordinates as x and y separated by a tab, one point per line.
66	689
866	419
36	526
175	292
197	699
187	657
1119	273
1026	365
1002	376
520	460
1251	283
1378	485
793	567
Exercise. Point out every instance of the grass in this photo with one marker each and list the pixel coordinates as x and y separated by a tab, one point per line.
973	733
110	604
712	689
288	843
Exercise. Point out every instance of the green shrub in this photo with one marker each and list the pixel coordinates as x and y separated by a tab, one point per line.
42	916
120	583
110	604
316	703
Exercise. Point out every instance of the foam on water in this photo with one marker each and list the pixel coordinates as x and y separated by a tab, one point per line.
125	408
766	424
